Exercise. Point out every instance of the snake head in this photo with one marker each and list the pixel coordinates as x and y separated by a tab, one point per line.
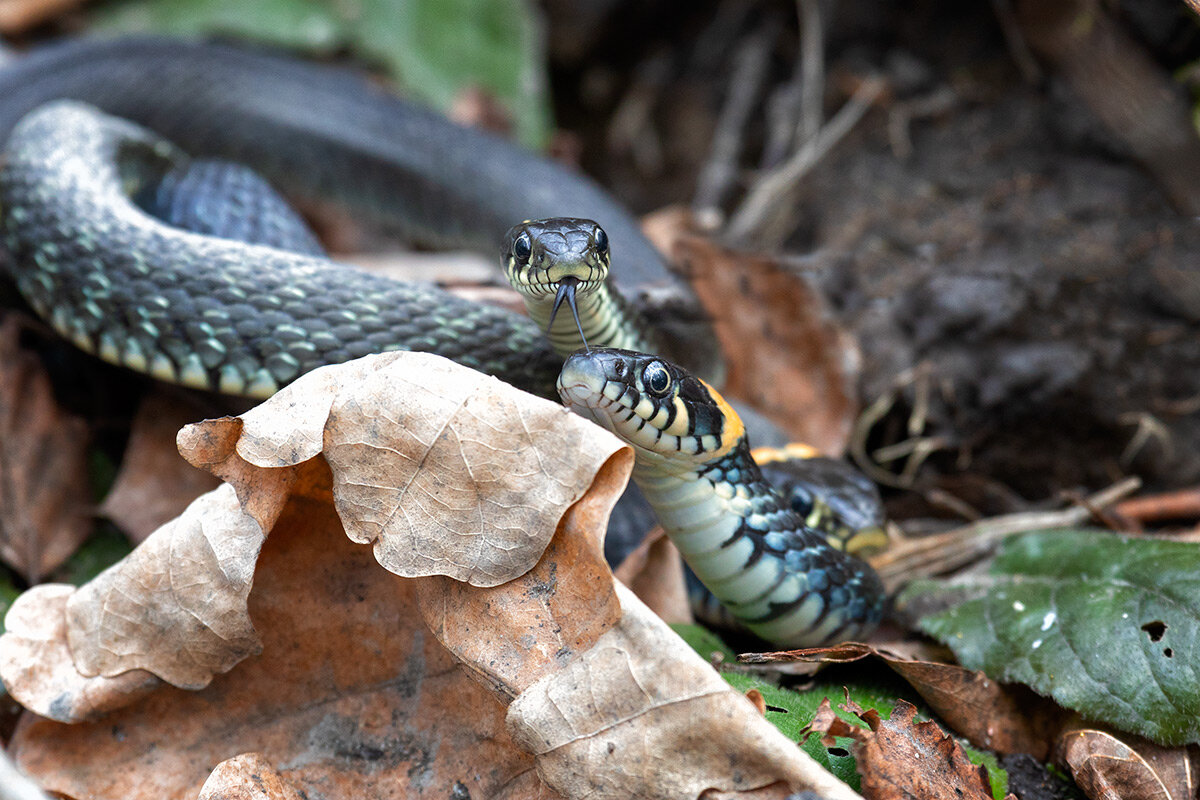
672	418
551	261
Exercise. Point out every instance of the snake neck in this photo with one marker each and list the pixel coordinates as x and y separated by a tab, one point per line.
774	574
607	319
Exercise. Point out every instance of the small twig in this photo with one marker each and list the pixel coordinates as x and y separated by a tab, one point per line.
745	86
630	130
771	195
1180	504
934	555
1018	48
812	69
1149	428
916	448
902	114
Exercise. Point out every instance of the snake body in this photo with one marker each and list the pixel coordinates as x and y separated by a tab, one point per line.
775	574
322	135
205	311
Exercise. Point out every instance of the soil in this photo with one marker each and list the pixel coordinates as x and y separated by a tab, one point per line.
987	240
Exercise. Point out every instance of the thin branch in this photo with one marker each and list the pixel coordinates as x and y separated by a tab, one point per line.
925	556
745	85
812	69
771	196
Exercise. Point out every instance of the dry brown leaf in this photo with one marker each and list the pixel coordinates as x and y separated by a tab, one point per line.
45	497
908	759
249	776
18	16
494	470
786	355
176	605
36	665
373	685
351	696
902	759
154	484
1110	766
654	571
999	717
641	715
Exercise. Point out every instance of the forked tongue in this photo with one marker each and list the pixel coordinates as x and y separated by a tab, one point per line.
566	291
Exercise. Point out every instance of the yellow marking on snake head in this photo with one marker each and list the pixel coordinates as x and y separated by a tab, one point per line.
732	430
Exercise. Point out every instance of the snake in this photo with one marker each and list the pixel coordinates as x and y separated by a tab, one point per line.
775	574
99	246
322	135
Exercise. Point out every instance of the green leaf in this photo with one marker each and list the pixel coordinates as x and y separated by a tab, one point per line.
791	711
437	48
433	48
1106	625
310	25
8	593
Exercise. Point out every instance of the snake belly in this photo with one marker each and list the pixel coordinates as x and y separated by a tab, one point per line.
776	576
324	135
204	311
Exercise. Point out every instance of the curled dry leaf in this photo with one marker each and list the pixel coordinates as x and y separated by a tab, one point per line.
155	485
44	491
373	685
654	571
36	665
652	737
457	454
1004	718
905	758
901	758
249	776
1108	766
786	355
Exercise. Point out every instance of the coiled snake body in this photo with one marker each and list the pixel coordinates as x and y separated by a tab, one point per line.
319	134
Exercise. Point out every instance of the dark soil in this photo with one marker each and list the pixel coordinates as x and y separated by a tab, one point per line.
1003	244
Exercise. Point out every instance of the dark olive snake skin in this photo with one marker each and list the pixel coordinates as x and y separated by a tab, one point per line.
204	311
321	135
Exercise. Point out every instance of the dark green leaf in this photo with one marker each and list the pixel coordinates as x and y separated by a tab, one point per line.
8	593
1106	625
792	711
438	48
304	24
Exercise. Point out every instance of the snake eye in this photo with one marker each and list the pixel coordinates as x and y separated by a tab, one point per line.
522	248
801	500
601	239
656	379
